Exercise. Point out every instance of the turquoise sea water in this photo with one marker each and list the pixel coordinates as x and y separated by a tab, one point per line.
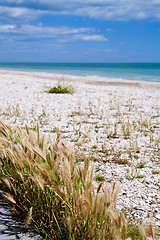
130	71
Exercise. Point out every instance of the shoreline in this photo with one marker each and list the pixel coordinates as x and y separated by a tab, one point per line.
115	124
94	80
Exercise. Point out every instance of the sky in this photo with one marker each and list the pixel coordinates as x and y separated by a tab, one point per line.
79	31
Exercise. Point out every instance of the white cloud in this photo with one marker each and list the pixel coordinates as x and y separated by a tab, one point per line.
109	30
108	50
20	13
61	34
7	28
95	37
120	10
102	9
51	31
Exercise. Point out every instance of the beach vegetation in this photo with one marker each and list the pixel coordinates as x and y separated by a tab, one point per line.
100	178
141	164
140	176
121	161
94	146
126	129
57	197
62	89
55	130
155	171
136	232
111	130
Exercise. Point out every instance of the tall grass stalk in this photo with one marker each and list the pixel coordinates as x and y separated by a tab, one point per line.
54	195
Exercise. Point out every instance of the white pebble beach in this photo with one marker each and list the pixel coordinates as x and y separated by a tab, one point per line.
116	123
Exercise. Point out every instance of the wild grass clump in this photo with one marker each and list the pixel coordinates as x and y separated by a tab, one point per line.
54	195
61	89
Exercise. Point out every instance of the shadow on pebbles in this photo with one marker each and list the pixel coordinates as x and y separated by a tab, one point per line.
11	228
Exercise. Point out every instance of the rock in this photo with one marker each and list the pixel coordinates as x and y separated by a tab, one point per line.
157	216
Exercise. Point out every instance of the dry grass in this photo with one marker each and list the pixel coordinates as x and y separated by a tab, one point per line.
56	197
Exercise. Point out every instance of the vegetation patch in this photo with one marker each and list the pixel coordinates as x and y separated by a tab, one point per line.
62	89
100	178
56	196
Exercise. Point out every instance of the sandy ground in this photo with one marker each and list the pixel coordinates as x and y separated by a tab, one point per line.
114	122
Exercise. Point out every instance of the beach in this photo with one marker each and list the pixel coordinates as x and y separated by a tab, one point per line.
114	122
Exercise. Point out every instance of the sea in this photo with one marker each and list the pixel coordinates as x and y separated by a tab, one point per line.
129	71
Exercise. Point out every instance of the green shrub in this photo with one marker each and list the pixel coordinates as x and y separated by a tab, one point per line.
62	89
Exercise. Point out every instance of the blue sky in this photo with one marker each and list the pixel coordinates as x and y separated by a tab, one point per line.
80	31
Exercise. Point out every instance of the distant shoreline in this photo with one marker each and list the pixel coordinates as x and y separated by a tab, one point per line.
85	79
148	72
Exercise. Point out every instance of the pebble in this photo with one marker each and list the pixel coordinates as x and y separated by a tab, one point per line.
157	216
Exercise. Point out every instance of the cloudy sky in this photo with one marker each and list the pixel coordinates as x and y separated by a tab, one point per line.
80	31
